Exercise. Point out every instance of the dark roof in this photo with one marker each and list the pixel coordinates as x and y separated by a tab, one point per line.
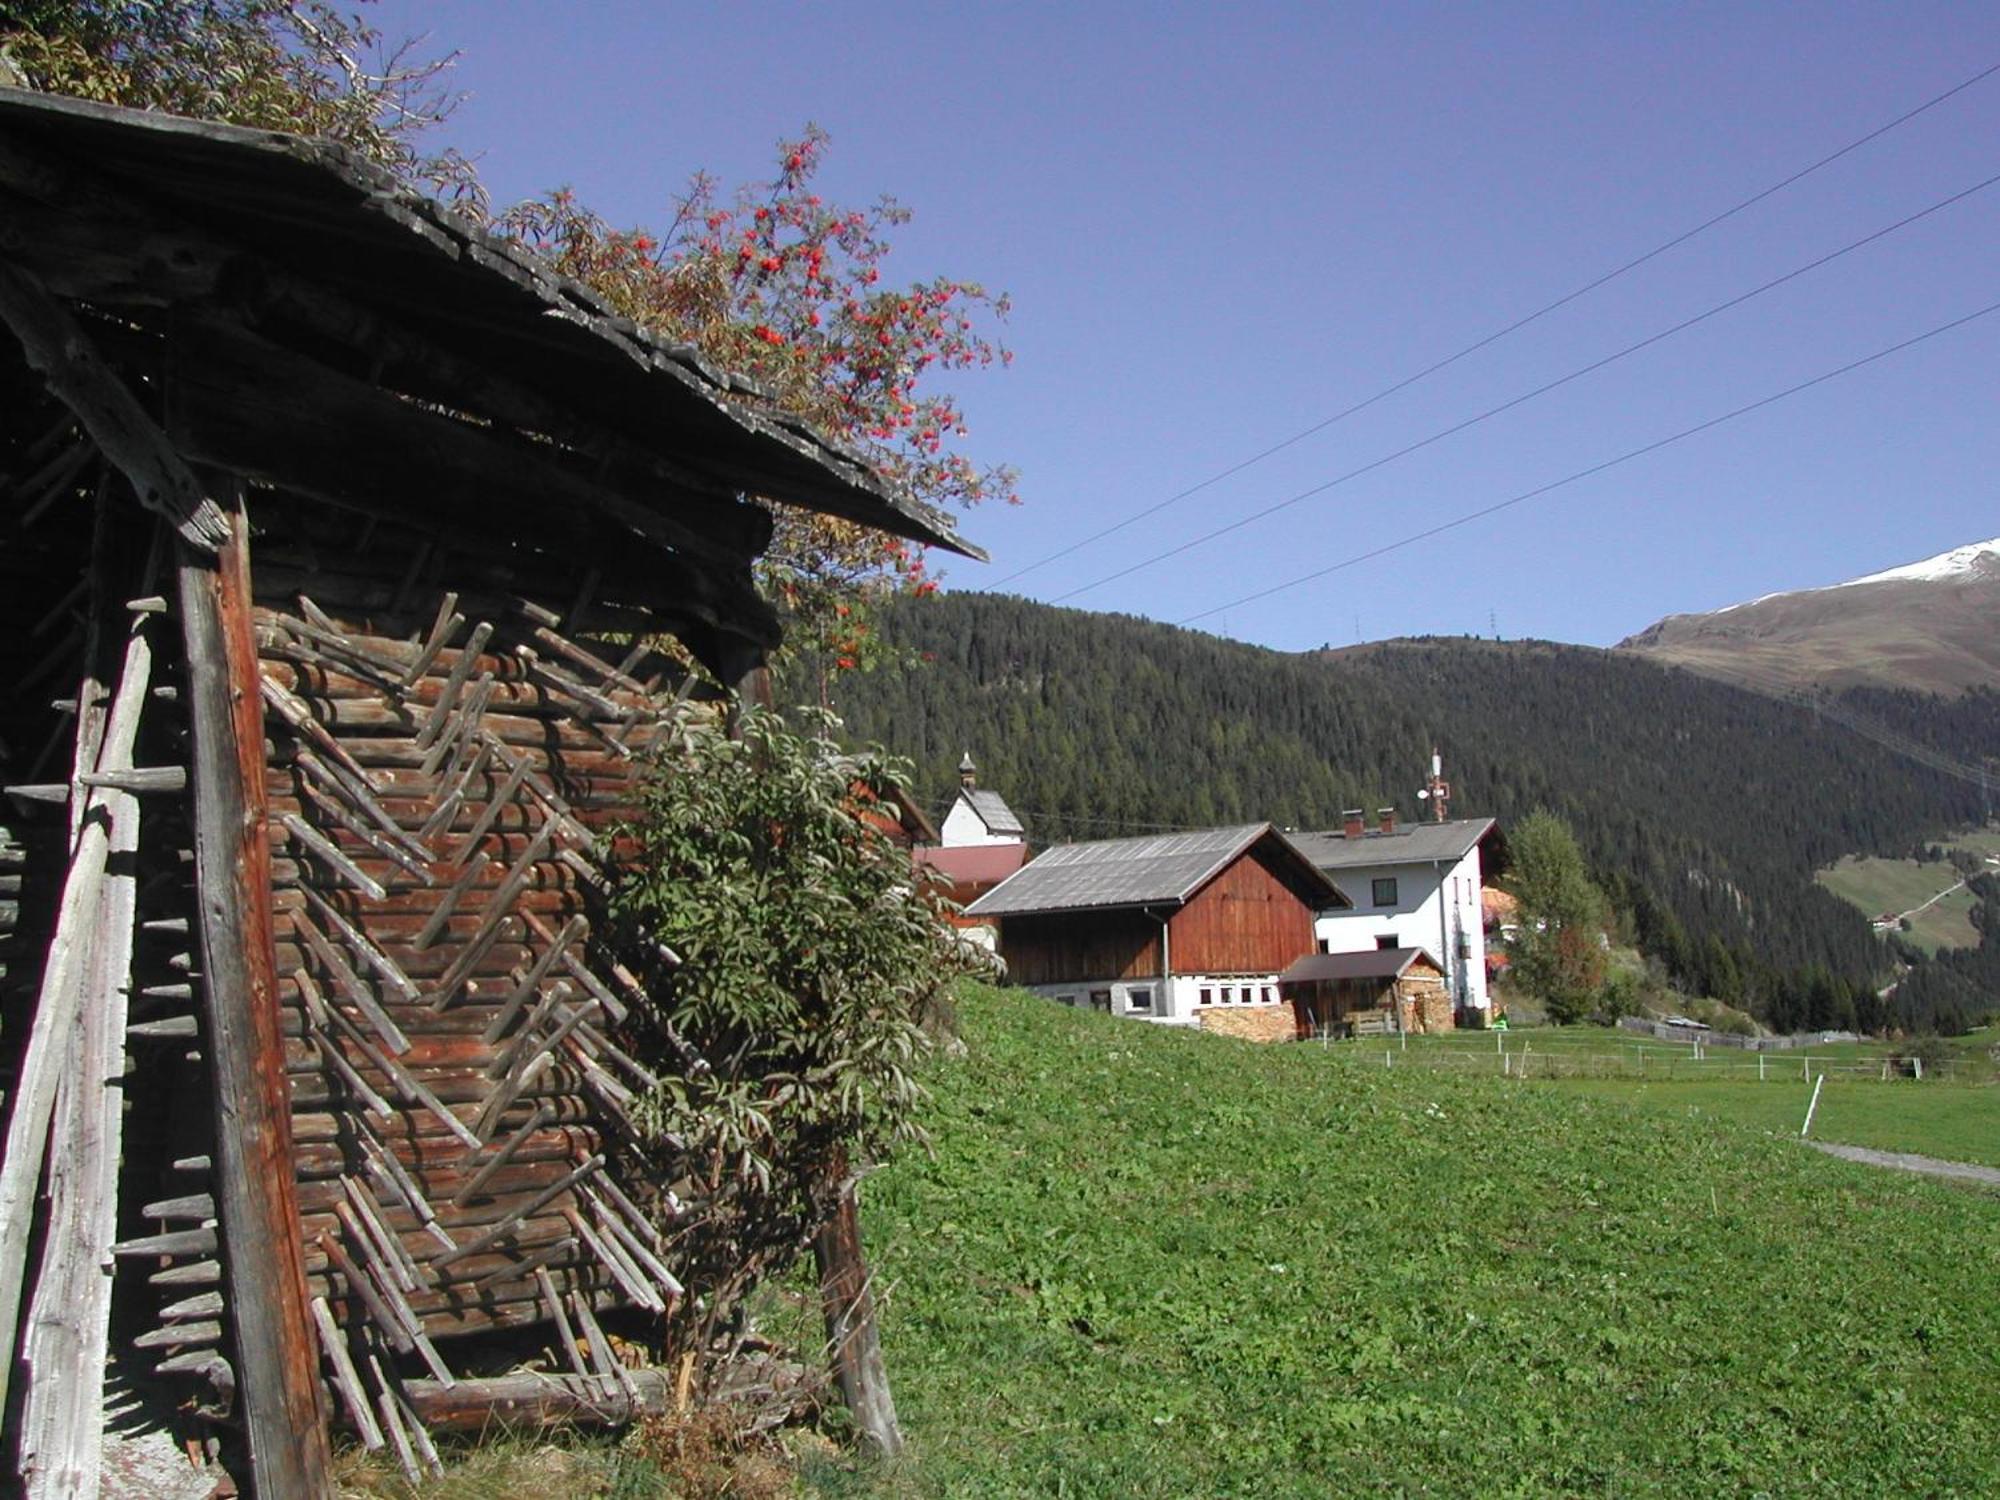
1371	963
321	211
993	811
1410	844
1159	869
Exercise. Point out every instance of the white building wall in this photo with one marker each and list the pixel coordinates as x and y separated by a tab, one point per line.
962	827
1436	909
1175	1002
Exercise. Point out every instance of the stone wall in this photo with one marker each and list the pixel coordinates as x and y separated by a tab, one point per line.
1258	1023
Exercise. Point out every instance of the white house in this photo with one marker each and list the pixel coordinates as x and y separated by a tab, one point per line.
1412	887
978	817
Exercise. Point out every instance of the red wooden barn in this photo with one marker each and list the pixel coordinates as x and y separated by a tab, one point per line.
1187	928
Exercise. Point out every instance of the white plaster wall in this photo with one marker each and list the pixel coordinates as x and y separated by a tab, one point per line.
1437	909
963	827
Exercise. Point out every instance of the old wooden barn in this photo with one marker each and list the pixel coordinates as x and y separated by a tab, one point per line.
336	531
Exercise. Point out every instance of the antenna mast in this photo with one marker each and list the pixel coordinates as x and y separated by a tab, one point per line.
1437	791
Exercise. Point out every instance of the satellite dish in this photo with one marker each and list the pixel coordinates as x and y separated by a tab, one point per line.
1422	795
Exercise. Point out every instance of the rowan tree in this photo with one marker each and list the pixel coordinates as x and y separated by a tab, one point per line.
775	282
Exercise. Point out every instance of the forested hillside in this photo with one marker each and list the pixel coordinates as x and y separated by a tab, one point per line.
1705	809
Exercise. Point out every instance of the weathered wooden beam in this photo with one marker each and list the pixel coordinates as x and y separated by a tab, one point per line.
58	348
62	1414
66	984
848	1304
284	1422
538	1399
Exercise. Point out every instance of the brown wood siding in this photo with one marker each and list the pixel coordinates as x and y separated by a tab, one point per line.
1067	947
1248	920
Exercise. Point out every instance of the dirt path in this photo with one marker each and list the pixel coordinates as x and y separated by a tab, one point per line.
1907	1161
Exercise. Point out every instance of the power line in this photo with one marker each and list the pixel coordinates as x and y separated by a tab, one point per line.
1529	395
1501	333
1598	468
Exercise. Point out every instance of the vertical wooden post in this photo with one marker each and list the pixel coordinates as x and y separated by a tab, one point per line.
256	1195
852	1337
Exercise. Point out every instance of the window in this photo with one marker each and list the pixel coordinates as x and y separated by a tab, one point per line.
1325	945
1101	1000
1385	890
1390	941
1268	996
1139	1002
1207	995
1069	1000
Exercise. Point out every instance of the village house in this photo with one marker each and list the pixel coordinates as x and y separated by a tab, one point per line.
981	842
340	537
1409	887
1187	929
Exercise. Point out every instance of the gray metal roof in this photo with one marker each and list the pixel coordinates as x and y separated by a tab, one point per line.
993	811
1410	844
1159	869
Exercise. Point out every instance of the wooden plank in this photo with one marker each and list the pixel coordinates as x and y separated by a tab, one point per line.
62	1414
51	1041
284	1423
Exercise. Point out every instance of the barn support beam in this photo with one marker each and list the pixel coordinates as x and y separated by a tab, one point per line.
848	1303
255	1190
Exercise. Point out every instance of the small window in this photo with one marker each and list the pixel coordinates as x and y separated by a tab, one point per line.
1139	1002
1385	891
1101	1000
1326	945
1268	996
1207	996
1069	1000
1389	941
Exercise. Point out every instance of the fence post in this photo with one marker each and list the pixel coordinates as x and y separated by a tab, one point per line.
1813	1105
1760	1067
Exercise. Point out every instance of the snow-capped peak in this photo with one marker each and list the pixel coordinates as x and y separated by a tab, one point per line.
1944	565
1952	564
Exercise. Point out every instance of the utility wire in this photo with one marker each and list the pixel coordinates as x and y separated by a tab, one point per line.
1598	468
1527	396
1500	333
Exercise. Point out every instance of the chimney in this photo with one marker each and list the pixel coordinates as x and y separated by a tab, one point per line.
968	773
1353	823
1386	817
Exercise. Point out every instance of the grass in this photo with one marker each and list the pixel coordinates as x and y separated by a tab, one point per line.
1876	886
1144	1262
1942	1120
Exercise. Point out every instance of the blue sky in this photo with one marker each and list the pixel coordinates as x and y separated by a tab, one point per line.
1221	225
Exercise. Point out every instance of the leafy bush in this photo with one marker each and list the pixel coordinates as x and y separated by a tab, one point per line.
788	1032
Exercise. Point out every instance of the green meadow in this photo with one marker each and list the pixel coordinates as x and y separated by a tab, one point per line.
1142	1262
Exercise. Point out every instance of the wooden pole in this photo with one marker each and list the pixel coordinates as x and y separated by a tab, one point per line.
851	1334
256	1195
62	1412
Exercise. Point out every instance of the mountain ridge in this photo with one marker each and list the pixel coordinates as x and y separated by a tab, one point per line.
1931	625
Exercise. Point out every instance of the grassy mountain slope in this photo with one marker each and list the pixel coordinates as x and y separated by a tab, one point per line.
1714	805
1935	634
1143	1262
